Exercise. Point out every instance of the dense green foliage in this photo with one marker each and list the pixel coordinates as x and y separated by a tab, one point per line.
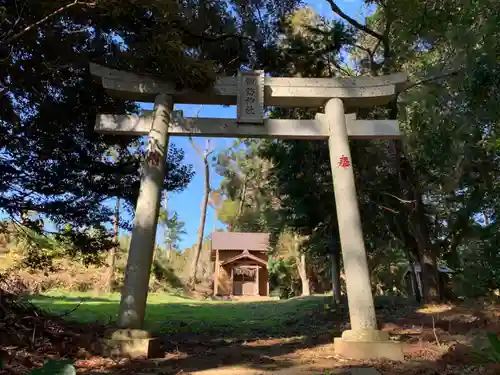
431	197
51	160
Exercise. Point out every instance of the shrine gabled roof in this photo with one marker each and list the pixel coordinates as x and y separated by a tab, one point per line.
240	241
245	255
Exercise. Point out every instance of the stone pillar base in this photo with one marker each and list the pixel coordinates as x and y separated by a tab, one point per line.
365	335
368	344
131	343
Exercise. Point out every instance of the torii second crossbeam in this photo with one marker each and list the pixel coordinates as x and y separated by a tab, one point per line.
229	128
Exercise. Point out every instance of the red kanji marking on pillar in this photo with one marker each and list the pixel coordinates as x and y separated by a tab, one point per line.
154	158
344	162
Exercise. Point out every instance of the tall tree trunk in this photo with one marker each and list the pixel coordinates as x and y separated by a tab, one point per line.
430	278
112	252
169	250
486	219
243	195
336	288
300	261
413	277
414	256
335	271
429	267
418	223
201	228
302	269
215	219
165	206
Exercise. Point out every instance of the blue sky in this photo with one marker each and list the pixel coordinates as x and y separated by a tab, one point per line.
187	203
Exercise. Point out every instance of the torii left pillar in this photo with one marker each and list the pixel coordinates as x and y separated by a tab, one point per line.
131	340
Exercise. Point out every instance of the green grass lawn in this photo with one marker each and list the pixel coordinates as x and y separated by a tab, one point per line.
178	315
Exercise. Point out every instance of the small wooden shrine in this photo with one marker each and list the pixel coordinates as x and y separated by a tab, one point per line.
240	264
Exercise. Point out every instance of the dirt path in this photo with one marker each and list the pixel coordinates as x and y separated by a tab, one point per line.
270	357
314	369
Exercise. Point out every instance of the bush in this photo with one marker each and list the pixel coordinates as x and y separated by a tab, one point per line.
490	354
65	275
61	273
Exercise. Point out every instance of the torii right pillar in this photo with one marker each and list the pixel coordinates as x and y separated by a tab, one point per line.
364	340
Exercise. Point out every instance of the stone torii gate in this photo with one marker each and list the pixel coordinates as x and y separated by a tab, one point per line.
251	91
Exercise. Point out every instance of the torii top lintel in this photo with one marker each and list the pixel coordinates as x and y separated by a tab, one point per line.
280	92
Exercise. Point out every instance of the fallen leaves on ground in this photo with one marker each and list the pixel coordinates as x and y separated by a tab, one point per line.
29	336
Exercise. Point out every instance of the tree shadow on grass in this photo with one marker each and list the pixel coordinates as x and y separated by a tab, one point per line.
196	321
229	321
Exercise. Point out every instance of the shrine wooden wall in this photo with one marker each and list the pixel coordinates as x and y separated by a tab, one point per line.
225	285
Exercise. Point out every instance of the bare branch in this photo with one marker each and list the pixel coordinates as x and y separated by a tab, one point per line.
193	143
203	153
339	68
376	47
399	199
435	333
381	3
336	9
385	208
430	79
199	111
362	48
211	38
371	56
196	147
18	35
385	42
209	149
19	13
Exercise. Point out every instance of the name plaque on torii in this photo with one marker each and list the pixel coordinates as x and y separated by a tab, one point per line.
251	92
250	99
